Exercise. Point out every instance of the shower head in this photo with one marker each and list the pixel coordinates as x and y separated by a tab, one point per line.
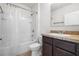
1	13
1	9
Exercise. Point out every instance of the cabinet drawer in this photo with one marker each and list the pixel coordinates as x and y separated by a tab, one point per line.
60	52
47	39
69	46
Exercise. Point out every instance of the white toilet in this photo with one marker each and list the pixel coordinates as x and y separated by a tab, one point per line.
35	48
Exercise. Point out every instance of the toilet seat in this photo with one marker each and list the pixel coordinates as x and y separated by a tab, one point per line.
34	45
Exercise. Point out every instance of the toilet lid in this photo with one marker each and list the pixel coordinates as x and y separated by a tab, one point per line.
35	45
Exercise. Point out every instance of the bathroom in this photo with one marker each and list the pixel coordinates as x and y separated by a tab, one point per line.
20	27
25	28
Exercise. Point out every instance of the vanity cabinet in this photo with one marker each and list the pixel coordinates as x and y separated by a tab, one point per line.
59	47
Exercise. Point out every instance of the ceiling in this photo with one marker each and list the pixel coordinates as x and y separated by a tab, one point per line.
29	4
55	6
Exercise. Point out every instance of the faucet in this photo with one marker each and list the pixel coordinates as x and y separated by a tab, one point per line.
62	32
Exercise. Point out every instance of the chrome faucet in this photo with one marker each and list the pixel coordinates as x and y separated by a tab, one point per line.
62	32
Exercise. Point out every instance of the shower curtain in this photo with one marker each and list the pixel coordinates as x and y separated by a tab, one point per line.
16	30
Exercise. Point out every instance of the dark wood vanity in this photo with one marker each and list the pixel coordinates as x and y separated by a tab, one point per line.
57	47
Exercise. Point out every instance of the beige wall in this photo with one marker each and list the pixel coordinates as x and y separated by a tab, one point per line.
62	12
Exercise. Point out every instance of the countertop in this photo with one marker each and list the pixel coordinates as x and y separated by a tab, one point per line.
67	37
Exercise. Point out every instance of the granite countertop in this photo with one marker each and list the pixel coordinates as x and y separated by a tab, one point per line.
67	37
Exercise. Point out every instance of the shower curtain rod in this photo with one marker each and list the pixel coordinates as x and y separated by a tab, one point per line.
18	6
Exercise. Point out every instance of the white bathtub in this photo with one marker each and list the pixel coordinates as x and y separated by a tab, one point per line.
16	49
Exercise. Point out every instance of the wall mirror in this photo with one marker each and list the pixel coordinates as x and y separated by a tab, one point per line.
64	14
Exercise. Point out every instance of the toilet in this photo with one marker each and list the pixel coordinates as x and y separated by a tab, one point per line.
35	48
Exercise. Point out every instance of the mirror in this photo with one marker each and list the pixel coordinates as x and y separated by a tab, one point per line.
64	14
72	18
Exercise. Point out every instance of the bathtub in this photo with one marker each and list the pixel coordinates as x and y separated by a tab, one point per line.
16	49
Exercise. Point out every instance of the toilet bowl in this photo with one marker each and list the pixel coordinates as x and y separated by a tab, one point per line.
35	48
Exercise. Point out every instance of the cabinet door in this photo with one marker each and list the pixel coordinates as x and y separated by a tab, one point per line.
47	49
61	52
77	52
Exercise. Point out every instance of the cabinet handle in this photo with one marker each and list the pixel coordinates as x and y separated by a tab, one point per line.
0	39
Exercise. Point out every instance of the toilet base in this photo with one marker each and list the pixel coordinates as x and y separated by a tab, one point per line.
35	48
35	53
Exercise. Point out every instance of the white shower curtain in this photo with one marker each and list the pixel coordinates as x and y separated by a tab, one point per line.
16	30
